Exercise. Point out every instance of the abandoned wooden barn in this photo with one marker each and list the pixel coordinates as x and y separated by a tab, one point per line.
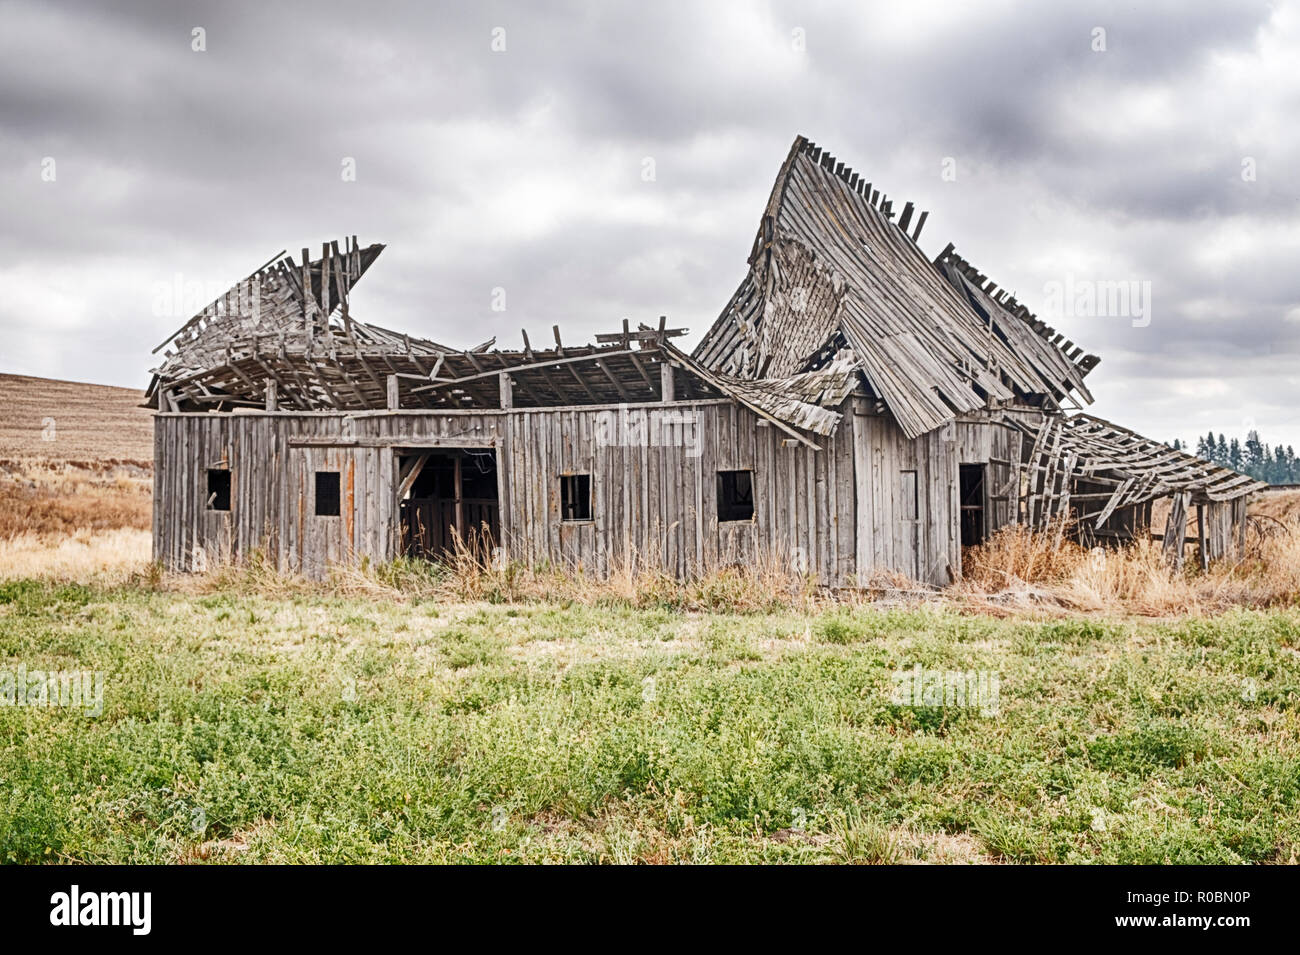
856	408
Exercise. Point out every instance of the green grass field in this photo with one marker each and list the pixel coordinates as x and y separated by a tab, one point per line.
240	728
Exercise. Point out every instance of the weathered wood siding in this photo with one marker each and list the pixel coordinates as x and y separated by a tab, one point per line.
1225	529
272	469
654	490
840	513
907	507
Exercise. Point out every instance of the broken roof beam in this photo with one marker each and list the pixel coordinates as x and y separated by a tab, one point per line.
920	224
547	363
640	368
190	324
642	334
905	219
688	364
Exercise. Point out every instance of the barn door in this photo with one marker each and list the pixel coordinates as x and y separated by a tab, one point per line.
1002	492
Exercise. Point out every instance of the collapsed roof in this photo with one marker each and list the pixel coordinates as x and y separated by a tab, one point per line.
1131	468
289	324
838	299
288	328
1015	324
831	270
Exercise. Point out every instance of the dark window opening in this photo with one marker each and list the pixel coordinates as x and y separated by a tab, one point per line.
973	528
575	497
327	493
735	496
218	489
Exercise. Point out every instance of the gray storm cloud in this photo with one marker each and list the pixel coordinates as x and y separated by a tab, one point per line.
522	168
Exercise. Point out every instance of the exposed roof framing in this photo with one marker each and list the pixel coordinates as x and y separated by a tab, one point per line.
1083	447
265	333
289	323
563	375
804	401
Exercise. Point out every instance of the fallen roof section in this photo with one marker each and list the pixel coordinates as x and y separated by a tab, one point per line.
1066	449
1063	363
830	264
800	402
288	323
284	337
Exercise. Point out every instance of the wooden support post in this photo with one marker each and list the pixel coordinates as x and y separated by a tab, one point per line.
460	499
666	386
1239	517
507	395
1176	530
325	306
272	396
394	396
1200	534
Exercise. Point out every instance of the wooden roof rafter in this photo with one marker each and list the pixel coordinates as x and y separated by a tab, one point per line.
1139	468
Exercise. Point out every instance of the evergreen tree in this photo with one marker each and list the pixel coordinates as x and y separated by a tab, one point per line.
1252	455
1274	464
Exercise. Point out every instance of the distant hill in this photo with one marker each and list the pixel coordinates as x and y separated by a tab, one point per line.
72	421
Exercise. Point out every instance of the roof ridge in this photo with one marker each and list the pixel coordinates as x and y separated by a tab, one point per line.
775	200
863	187
856	183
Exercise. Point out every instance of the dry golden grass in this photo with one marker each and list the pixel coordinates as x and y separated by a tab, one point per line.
108	557
75	480
1017	572
1133	580
1281	505
1019	568
473	573
74	520
1015	554
56	499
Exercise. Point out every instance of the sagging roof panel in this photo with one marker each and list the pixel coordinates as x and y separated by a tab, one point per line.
1060	361
829	257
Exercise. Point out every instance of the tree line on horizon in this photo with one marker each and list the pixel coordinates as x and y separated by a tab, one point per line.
1274	465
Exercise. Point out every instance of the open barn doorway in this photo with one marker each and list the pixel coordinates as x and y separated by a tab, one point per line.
974	526
446	495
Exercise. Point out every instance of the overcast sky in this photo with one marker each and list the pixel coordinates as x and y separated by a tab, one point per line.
1154	143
